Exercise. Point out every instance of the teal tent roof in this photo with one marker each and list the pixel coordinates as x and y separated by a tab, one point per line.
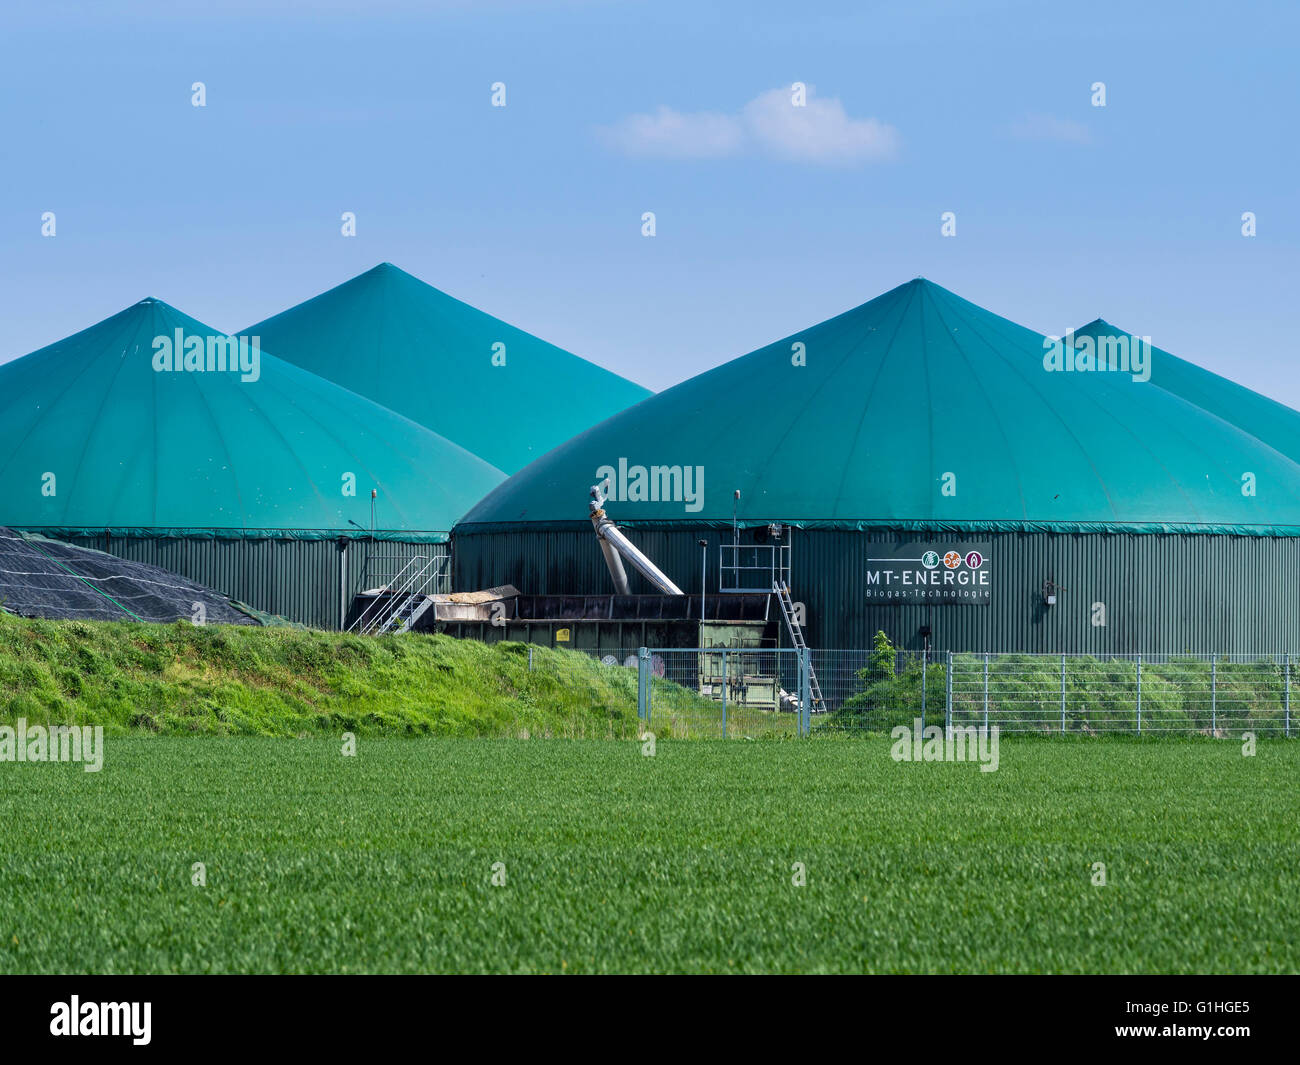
402	343
1270	421
917	410
133	449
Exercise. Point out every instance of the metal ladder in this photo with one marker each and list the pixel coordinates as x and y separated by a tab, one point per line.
782	590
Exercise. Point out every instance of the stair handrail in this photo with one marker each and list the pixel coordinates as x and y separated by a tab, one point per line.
408	593
360	623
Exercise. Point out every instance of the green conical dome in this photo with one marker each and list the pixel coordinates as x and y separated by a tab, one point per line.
394	339
1272	422
92	436
915	410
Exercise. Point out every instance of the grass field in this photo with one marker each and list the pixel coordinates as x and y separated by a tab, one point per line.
615	861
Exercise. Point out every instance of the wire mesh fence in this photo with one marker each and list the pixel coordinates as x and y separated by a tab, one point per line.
1217	695
754	692
722	692
684	693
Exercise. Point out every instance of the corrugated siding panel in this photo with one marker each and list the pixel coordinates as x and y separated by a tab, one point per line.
301	580
1163	593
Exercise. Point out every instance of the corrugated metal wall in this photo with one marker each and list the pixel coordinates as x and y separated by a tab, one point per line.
302	580
1161	593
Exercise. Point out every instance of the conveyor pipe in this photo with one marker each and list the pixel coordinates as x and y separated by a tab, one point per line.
613	544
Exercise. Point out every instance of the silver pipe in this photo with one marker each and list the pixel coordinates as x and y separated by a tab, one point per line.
615	564
609	532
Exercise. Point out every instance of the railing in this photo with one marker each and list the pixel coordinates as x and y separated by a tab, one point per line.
752	567
381	570
412	581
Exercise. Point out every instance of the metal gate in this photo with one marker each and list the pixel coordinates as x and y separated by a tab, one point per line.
725	691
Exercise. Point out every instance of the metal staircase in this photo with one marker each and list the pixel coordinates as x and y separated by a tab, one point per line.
403	600
406	615
782	592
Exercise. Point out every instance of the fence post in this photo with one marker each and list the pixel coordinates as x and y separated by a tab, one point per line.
1062	695
530	658
805	691
1214	695
986	693
1287	704
726	677
925	657
1139	694
947	699
643	684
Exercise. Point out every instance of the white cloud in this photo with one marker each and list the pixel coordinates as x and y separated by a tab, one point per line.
820	132
1050	128
674	135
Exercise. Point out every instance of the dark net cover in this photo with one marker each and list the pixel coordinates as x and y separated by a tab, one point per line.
42	578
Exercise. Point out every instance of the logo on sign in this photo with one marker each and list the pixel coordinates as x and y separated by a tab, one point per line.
929	573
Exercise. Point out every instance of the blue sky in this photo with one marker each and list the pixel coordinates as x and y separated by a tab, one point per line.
765	225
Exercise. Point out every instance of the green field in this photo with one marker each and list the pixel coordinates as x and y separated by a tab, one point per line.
683	861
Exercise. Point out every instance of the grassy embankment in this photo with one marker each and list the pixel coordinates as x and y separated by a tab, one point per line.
181	679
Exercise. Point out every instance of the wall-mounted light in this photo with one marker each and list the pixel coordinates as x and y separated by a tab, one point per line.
1050	590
